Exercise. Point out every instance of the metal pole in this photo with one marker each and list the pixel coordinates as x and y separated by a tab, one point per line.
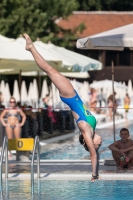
39	88
38	158
39	187
113	99
1	159
1	191
6	159
7	194
20	83
32	166
39	84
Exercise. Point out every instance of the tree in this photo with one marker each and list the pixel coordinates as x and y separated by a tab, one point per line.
105	5
89	5
36	17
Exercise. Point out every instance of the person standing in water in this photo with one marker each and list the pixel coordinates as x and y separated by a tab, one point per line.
85	120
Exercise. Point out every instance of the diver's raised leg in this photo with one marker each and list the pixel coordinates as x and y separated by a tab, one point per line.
62	83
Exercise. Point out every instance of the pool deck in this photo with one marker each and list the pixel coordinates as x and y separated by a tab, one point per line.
72	170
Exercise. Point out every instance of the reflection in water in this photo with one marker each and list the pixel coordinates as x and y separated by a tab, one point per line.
67	189
18	190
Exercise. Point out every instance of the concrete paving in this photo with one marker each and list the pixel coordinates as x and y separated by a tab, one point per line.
55	170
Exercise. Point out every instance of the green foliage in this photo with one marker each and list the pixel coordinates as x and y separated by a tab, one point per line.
117	5
88	5
105	5
67	39
36	17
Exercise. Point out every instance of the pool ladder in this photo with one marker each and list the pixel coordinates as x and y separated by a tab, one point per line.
36	148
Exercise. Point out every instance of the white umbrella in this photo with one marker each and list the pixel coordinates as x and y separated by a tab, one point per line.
7	93
16	50
24	95
130	88
58	99
13	54
16	93
35	94
30	93
70	59
5	39
2	89
50	102
124	91
121	92
67	74
35	91
84	92
44	89
54	96
114	39
107	84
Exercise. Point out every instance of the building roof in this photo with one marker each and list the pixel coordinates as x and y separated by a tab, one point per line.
96	21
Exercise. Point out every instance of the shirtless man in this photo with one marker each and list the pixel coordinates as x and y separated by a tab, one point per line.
122	150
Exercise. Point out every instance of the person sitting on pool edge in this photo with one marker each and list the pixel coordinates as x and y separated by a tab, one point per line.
122	150
85	120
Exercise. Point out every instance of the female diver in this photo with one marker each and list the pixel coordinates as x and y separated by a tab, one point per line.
85	120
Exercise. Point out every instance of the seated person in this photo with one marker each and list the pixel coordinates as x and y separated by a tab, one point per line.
122	150
46	100
31	117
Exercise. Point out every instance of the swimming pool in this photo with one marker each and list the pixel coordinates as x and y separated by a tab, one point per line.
71	148
64	190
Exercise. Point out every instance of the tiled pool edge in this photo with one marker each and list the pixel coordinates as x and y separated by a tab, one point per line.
53	176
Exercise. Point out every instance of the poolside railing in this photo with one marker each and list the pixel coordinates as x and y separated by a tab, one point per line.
21	144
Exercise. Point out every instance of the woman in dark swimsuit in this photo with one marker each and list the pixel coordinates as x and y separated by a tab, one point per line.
13	124
85	121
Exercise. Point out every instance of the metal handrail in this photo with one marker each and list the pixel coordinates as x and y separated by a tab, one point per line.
4	148
36	148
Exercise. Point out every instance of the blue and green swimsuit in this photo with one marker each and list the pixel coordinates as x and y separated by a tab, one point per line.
76	105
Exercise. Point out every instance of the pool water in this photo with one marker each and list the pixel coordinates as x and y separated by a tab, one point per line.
73	150
64	190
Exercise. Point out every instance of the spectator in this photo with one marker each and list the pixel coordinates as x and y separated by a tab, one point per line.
101	97
45	101
122	150
112	105
2	130
1	99
31	117
126	104
93	100
14	122
102	102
